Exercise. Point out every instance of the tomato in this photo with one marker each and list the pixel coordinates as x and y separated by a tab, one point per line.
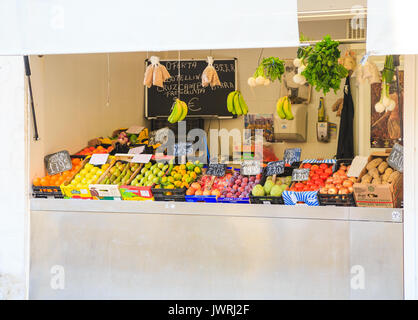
319	182
315	176
307	166
328	171
311	173
323	176
306	188
319	171
315	167
299	185
310	183
323	166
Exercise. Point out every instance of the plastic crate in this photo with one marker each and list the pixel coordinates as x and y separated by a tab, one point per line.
208	199
339	200
233	200
161	194
266	200
47	192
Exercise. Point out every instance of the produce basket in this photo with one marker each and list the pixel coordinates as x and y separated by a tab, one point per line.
308	197
77	191
233	200
47	192
178	195
266	200
208	199
340	200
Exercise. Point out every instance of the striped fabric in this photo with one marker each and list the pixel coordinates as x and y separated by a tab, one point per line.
293	197
319	161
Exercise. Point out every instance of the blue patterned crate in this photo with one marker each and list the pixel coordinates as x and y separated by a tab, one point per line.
209	199
292	198
233	200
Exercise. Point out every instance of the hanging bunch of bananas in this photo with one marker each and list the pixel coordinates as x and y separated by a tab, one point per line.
236	104
284	109
178	111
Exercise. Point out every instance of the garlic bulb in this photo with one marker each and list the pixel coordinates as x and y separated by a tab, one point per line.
251	82
379	107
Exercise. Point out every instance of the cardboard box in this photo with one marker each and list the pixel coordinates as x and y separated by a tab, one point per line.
379	195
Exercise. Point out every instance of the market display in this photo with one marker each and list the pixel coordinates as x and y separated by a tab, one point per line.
126	166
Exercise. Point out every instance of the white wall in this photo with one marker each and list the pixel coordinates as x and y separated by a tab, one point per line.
71	95
13	201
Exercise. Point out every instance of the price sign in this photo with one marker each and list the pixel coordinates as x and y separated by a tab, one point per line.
395	159
216	169
300	174
99	158
58	162
141	158
292	155
250	167
136	150
275	168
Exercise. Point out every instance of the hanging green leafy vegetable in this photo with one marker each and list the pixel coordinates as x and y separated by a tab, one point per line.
323	70
269	70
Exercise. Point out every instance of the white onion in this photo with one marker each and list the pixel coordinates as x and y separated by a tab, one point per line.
266	82
297	62
386	101
259	80
251	82
379	107
298	78
301	68
391	106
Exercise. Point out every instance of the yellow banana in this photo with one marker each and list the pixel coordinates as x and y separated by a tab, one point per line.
184	110
176	112
237	105
287	109
279	108
242	104
230	102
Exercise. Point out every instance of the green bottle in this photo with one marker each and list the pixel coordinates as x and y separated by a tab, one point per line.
321	110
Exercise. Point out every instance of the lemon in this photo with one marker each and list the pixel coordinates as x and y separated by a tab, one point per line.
197	170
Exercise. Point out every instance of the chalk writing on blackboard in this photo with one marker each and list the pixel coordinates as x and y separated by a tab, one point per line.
58	162
395	159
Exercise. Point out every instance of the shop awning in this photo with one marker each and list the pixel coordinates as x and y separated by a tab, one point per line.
80	26
391	27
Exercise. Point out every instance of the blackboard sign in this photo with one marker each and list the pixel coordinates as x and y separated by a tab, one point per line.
58	162
275	168
395	159
300	174
216	169
202	102
250	167
292	155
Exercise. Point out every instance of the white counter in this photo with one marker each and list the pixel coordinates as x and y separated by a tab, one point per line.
175	250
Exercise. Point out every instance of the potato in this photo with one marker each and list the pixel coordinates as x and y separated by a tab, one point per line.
376	181
382	167
374	173
393	176
366	178
374	163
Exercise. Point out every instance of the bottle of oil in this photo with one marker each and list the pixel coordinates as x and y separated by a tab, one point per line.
321	110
